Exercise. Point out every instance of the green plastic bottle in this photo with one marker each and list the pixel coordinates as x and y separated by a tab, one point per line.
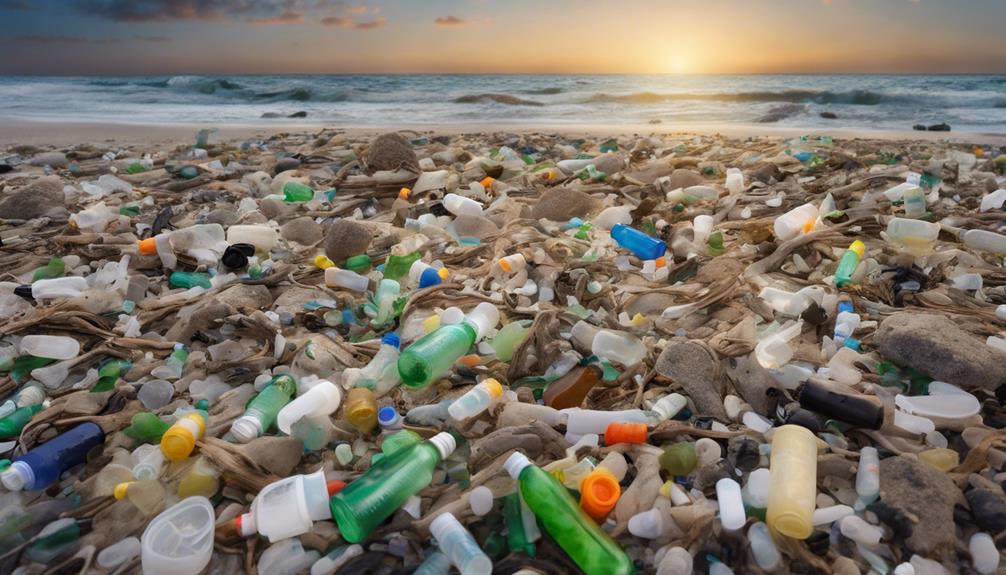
374	496
435	353
398	266
848	264
359	264
12	425
147	427
260	413
295	192
189	280
109	373
54	269
593	550
23	365
517	539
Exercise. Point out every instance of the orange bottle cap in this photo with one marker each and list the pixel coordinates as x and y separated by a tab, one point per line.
404	193
470	360
148	247
599	492
618	432
487	181
505	265
335	486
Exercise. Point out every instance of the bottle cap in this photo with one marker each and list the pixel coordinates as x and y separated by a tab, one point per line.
858	247
392	339
246	428
430	277
148	247
443	524
484	318
444	443
516	463
246	525
18	476
493	387
599	492
24	291
334	486
120	490
443	273
487	181
387	416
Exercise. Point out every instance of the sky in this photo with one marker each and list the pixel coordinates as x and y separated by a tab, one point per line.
162	37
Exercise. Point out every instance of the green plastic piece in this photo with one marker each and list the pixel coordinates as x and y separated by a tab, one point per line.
516	537
266	405
12	425
360	264
398	266
188	172
679	459
135	168
593	550
189	280
129	211
715	243
146	427
109	373
434	354
296	192
23	365
399	440
374	496
54	269
609	146
509	338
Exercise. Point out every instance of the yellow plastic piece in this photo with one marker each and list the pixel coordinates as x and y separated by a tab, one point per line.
793	482
322	262
858	247
494	387
431	323
941	458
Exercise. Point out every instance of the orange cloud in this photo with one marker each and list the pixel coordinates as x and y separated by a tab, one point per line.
287	17
450	22
342	22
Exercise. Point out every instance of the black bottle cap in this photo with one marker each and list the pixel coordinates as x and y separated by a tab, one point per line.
24	291
236	255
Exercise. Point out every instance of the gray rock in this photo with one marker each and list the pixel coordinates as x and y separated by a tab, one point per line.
919	490
682	178
272	208
988	509
34	200
346	238
563	203
692	366
284	164
224	217
936	346
246	296
475	226
751	380
301	230
391	152
53	159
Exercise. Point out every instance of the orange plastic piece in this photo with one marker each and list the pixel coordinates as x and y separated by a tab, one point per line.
470	360
148	247
599	492
487	182
404	193
334	486
660	262
618	432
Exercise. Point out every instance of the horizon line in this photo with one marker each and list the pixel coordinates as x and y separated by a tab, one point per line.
126	75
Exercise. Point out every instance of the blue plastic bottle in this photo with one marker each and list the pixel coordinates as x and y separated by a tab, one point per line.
640	244
42	466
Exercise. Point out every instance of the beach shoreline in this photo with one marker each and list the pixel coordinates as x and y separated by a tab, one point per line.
20	131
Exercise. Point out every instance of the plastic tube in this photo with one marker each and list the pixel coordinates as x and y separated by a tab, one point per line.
728	494
793	488
460	547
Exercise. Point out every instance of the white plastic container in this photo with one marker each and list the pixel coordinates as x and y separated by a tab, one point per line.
462	206
828	515
335	277
790	304
476	400
322	399
287	508
263	237
763	548
868	475
774	351
460	547
179	541
728	494
614	346
50	346
512	263
914	236
735	180
985	241
799	220
56	288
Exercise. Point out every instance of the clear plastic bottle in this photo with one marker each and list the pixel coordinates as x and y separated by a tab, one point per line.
336	277
288	507
868	475
728	494
43	465
173	366
915	237
374	496
58	288
462	206
321	399
336	558
148	460
436	563
577	534
381	374
793	488
460	547
434	354
614	346
50	346
984	240
476	400
261	412
763	548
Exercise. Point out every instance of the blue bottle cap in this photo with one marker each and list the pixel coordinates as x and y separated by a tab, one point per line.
845	306
386	414
392	339
429	277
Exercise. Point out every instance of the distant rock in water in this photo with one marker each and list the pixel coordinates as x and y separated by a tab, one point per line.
828	115
300	114
919	128
781	113
270	115
498	98
944	127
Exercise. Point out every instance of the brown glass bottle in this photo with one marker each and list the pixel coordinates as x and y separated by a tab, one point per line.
571	389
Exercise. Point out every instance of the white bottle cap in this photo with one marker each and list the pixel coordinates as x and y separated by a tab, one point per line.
516	463
484	318
246	428
247	526
445	443
444	523
18	476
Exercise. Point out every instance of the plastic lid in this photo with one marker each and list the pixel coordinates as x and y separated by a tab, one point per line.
246	525
493	387
392	339
148	247
120	490
445	443
387	415
858	247
334	486
246	428
484	318
444	523
516	463
404	193
443	273
17	476
177	443
429	277
599	492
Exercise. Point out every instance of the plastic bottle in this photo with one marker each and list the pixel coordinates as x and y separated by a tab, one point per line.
336	558
55	268
389	419
462	206
868	475
434	354
374	496
147	462
599	493
188	280
793	488
118	553
361	409
763	548
322	399
985	241
424	275
799	220
641	245
58	288
614	346
460	547
43	465
580	422
179	541
381	373
202	479
618	432
398	266
288	507
476	400
146	495
263	237
915	237
261	411
296	192
847	265
31	394
435	564
50	346
508	338
571	389
12	425
854	410
915	202
728	494
735	181
335	277
512	263
576	533
180	439
173	366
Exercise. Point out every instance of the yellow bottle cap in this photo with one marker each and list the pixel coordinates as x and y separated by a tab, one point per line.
120	490
858	247
443	273
493	387
404	193
322	262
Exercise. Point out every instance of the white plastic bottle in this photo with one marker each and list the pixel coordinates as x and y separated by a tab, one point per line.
476	400
799	220
336	277
580	422
460	547
512	263
462	206
916	237
381	374
56	288
263	237
728	494
321	399
735	180
868	476
288	507
763	548
985	241
614	346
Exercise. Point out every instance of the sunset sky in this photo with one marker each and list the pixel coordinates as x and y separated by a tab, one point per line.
512	36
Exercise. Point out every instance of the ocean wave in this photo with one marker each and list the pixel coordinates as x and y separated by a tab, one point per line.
544	91
200	84
779	113
853	97
506	99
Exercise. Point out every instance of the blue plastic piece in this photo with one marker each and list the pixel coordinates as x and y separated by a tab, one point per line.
846	306
429	277
851	343
640	244
392	339
386	414
42	466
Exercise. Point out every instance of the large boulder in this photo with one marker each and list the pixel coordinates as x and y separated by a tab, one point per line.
936	346
391	152
346	238
694	367
35	200
563	203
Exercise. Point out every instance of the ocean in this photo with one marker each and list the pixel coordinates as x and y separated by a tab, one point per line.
967	103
